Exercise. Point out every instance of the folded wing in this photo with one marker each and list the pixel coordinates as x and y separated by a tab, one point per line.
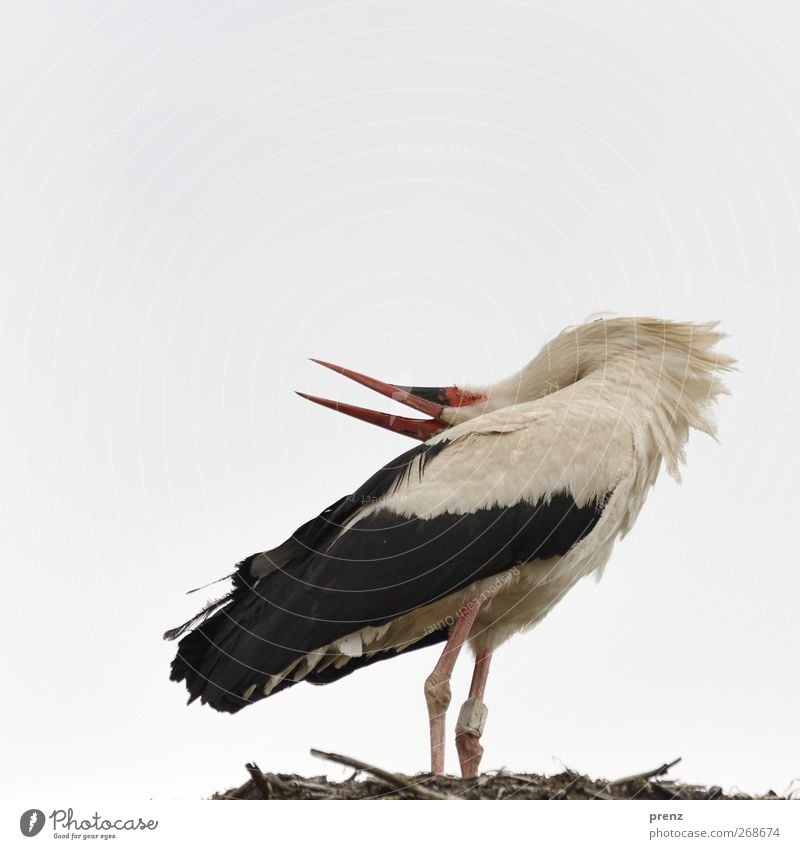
402	541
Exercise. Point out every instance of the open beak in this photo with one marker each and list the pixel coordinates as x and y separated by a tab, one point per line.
429	400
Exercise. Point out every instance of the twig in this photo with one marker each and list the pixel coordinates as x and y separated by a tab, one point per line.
383	775
646	776
258	778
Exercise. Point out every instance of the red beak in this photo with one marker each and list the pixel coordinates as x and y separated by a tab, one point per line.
430	400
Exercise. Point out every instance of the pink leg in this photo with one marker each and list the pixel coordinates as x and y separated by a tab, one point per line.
437	684
472	717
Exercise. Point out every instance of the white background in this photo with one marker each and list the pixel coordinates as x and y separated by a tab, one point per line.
196	197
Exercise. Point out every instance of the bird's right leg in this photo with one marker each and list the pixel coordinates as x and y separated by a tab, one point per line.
472	718
437	684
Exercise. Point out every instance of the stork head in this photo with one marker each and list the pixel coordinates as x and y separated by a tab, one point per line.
446	405
666	348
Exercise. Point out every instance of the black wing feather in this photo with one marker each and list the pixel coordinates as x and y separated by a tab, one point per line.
382	567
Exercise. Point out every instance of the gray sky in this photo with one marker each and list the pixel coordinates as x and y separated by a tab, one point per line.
194	198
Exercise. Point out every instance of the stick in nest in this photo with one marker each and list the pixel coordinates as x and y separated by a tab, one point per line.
389	778
646	776
258	778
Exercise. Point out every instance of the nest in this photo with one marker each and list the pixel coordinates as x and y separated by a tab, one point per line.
370	782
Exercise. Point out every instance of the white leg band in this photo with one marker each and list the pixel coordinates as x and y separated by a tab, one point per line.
472	717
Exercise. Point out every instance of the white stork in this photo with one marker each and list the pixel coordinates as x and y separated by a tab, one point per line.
518	490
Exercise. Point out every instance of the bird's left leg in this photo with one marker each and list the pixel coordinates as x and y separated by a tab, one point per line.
472	717
437	684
